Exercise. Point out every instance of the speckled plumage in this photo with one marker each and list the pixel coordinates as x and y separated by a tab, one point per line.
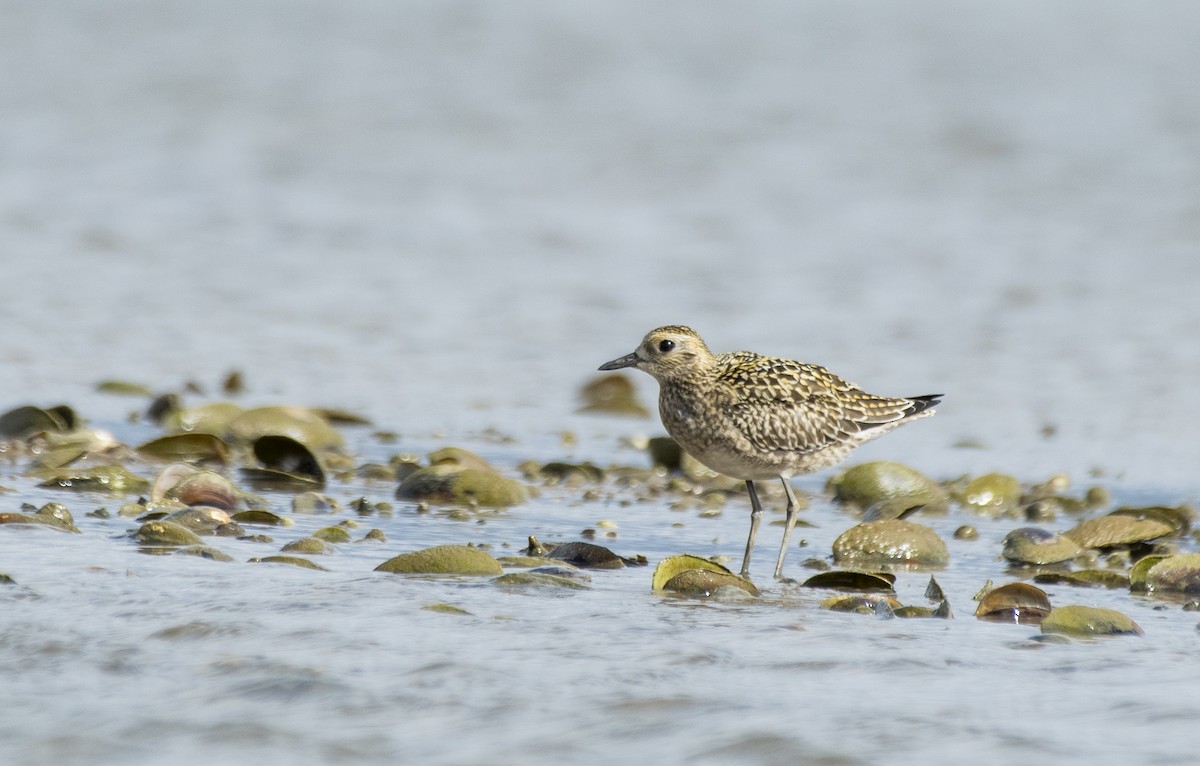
755	417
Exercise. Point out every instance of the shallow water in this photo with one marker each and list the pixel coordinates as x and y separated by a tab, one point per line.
446	215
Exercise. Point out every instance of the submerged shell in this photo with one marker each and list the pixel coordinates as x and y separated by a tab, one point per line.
1016	602
204	552
1032	545
443	559
1075	620
332	535
53	515
263	517
538	580
1088	578
294	561
893	541
863	603
165	533
684	574
893	486
307	545
200	519
706	582
587	556
452	484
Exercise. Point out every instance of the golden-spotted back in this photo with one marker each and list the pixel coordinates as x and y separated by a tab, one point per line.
755	417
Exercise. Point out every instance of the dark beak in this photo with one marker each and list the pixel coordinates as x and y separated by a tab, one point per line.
629	360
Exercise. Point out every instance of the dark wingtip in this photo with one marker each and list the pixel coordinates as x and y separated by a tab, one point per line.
922	403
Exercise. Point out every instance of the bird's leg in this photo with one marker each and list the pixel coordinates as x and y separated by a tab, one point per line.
755	517
787	528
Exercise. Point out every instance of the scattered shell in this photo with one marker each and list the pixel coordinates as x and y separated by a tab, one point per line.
100	478
1179	517
670	575
850	580
315	502
613	394
201	519
862	603
443	559
205	488
295	561
297	423
21	422
463	458
332	535
587	556
563	472
518	562
707	582
165	533
285	461
891	540
307	545
53	515
194	446
444	608
124	388
1179	573
263	517
1121	529
212	418
454	485
1032	545
204	552
993	494
1137	574
966	532
888	485
1015	602
1074	620
537	579
1088	578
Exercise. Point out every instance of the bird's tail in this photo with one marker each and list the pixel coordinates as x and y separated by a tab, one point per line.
921	404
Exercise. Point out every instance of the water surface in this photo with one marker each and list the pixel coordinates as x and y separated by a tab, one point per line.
446	215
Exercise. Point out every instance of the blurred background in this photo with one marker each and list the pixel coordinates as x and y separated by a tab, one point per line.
447	214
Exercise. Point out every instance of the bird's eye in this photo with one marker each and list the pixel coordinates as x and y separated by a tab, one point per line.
666	346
